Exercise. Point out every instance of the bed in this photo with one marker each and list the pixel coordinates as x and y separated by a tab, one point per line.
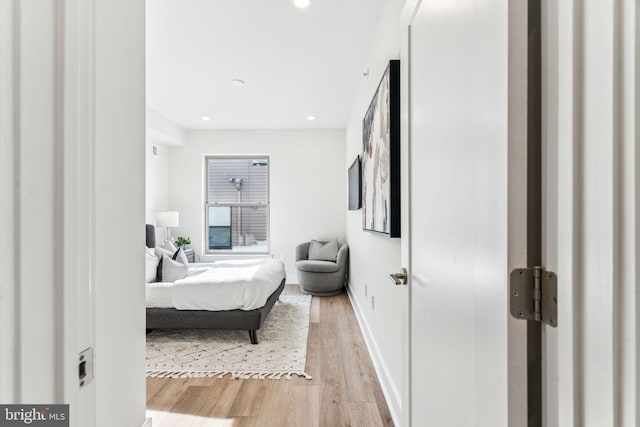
189	313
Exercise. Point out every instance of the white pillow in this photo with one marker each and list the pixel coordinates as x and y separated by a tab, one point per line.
173	270
160	251
323	251
182	257
170	247
151	267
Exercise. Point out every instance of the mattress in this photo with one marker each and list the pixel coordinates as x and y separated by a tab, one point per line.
222	285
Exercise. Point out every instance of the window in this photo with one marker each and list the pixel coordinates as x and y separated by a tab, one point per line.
237	205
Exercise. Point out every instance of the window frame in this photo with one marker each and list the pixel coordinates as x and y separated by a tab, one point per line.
207	204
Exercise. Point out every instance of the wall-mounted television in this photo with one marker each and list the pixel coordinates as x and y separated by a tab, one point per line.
355	187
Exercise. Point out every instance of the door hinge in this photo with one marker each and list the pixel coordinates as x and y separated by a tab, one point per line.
534	295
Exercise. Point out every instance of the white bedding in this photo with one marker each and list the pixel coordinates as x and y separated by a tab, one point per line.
222	285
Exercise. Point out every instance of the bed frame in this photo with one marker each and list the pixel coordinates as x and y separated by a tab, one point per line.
170	318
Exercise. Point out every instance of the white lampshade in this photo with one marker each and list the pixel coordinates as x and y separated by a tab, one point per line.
168	219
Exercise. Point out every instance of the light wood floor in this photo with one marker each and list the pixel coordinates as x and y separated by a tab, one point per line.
344	390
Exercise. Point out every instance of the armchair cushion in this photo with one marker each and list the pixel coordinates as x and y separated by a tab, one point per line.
317	266
323	251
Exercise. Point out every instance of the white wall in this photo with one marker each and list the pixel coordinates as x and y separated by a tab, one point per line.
307	184
162	129
157	181
373	256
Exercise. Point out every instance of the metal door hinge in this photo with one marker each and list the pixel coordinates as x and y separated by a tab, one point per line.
534	295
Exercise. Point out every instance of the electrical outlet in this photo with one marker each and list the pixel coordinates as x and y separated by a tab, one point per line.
366	290
373	303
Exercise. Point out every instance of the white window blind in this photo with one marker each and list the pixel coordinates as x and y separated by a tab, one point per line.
237	204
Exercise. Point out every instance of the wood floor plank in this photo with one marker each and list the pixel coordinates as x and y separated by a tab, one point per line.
314	350
356	363
248	400
167	392
344	390
306	406
383	409
278	403
210	401
364	414
153	387
333	410
291	288
314	311
245	422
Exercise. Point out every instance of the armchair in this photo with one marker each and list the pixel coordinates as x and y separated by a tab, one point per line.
319	277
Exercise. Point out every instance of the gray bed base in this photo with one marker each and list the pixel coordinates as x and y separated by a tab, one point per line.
251	320
170	318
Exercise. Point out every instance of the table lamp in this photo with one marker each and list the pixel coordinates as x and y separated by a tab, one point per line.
168	219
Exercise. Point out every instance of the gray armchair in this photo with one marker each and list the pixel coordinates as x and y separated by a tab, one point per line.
321	278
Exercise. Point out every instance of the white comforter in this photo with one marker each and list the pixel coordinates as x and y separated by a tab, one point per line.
223	285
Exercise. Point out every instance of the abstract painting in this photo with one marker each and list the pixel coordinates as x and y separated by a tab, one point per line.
381	156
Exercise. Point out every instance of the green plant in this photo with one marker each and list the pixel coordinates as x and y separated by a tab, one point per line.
182	241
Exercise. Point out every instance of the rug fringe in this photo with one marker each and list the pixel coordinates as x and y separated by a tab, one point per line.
242	375
296	295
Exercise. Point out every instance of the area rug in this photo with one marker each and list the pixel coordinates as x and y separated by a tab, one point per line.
193	353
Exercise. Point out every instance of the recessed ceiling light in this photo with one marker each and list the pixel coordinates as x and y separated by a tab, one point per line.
311	118
205	118
237	82
301	3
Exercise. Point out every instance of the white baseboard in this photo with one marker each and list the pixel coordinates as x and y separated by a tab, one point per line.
389	389
146	423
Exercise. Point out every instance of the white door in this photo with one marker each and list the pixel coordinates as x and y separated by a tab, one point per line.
592	213
456	60
45	126
79	208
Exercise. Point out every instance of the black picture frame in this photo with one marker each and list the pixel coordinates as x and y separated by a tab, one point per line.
355	186
381	156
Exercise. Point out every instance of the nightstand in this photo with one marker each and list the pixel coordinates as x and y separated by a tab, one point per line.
191	255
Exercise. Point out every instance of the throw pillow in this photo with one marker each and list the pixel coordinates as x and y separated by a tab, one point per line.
160	251
179	255
151	268
323	251
159	270
159	254
173	270
170	246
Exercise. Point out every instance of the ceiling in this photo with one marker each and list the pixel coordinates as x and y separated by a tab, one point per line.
294	62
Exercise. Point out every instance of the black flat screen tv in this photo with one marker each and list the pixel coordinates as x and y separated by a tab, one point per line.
355	187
